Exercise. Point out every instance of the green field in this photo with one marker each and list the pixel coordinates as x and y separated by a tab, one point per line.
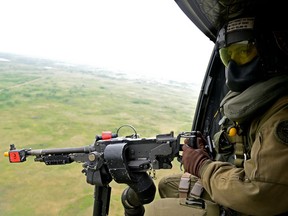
45	104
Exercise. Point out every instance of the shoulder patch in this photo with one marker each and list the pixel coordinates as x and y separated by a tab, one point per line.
282	132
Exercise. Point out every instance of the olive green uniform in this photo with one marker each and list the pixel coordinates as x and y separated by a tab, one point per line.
260	186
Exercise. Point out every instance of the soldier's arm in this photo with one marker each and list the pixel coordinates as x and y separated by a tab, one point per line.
261	187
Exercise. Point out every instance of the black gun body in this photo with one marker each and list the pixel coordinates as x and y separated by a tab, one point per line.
125	160
137	154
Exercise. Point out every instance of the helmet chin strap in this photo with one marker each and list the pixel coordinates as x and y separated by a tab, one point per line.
240	77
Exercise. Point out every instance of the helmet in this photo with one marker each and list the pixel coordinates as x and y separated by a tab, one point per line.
236	41
238	52
254	47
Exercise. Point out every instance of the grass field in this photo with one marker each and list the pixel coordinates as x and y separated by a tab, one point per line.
44	104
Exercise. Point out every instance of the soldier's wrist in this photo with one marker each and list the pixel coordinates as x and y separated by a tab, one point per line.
203	167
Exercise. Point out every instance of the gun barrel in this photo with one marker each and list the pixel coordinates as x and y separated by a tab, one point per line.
83	149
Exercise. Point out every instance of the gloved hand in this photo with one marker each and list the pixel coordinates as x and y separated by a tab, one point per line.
193	159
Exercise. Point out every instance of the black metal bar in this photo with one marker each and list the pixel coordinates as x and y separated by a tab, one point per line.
101	200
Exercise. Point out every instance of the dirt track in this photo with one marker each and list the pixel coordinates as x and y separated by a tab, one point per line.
22	84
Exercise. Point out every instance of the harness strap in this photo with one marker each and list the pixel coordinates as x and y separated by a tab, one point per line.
197	189
239	153
184	185
233	143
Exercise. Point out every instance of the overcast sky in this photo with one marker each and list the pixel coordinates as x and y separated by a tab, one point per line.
152	37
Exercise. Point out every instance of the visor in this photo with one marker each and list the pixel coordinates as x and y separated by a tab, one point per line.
240	52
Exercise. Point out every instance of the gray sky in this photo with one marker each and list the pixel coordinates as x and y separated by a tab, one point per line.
151	37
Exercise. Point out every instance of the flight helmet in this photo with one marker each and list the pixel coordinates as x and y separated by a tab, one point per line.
254	47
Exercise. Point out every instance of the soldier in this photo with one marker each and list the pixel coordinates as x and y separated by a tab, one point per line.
249	174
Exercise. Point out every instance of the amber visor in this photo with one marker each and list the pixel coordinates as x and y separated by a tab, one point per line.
240	52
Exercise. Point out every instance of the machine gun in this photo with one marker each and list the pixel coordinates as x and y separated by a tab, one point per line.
122	159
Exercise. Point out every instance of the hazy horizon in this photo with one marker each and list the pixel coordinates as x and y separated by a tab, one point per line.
179	80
